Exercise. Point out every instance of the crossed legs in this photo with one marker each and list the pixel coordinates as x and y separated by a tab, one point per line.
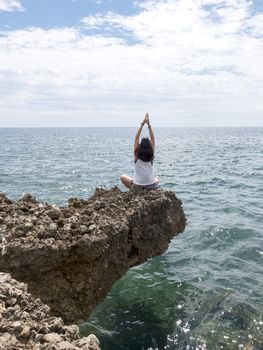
128	181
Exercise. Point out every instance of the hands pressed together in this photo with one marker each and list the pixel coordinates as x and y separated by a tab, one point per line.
146	119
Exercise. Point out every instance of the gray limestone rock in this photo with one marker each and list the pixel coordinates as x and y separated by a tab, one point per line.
34	329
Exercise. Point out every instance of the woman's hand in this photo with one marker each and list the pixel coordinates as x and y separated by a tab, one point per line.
145	119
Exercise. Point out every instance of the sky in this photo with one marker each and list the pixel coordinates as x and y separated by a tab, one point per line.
188	63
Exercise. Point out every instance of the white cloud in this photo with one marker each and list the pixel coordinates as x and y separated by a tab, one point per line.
192	59
11	5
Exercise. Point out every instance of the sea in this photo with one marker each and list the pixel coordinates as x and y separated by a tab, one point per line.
206	291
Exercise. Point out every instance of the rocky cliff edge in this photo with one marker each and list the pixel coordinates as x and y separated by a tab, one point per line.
71	256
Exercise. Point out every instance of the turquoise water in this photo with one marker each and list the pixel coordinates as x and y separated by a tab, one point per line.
206	291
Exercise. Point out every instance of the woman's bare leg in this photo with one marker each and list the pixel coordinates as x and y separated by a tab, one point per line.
127	181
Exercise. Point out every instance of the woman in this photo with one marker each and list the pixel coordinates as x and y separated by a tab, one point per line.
143	160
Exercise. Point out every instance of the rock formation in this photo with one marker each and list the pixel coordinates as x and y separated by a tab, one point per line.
71	256
25	323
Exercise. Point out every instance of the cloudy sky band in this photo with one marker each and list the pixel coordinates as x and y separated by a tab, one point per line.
186	62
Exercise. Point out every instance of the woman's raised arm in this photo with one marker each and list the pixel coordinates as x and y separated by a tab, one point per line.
152	138
138	134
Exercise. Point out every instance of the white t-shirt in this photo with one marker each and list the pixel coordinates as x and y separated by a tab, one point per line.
143	174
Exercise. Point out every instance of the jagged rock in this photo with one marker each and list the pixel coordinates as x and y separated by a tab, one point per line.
89	343
35	328
54	213
52	338
71	258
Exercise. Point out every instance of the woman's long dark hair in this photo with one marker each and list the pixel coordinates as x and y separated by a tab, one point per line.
145	151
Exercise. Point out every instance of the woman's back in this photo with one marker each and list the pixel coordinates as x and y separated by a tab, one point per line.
143	174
